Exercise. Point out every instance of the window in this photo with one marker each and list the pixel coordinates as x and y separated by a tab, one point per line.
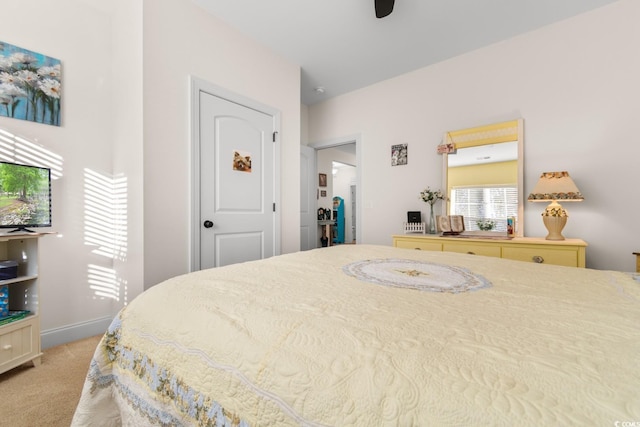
477	203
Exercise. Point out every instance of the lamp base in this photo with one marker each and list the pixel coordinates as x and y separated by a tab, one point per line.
554	225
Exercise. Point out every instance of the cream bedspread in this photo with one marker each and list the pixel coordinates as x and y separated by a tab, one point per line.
298	340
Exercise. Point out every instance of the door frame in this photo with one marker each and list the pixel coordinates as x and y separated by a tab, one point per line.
198	85
310	185
344	140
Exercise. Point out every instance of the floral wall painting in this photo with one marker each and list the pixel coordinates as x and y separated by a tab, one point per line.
241	161
30	85
399	154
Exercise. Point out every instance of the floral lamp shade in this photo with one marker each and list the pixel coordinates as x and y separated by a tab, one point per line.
553	187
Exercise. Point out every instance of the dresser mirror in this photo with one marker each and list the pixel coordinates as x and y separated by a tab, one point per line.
483	177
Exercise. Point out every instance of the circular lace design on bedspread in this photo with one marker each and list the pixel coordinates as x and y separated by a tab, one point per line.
420	275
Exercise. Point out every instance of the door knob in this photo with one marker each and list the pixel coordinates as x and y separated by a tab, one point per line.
208	224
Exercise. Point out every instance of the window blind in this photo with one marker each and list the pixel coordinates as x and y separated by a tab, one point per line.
477	203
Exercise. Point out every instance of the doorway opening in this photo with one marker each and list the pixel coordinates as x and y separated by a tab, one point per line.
345	204
339	160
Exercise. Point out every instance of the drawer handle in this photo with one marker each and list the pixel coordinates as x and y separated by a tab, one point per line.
7	347
471	253
537	259
417	249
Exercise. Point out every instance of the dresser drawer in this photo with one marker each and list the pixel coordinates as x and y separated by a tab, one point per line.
562	256
16	343
473	249
424	245
569	252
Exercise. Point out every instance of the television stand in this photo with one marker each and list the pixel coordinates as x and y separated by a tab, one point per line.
20	335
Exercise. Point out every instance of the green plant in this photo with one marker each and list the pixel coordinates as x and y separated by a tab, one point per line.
486	224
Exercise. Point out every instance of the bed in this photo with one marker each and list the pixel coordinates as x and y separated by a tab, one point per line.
366	335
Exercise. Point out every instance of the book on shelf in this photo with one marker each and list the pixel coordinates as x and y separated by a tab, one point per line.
13	316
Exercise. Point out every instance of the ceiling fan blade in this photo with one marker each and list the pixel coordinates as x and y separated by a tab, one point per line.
384	7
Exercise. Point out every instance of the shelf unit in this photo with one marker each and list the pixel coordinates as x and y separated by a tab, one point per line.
20	339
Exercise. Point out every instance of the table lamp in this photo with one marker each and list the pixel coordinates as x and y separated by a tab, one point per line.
552	187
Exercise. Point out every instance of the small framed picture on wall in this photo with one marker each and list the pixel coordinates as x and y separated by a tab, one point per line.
322	179
399	154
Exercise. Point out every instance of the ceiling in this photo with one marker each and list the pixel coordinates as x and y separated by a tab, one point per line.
341	46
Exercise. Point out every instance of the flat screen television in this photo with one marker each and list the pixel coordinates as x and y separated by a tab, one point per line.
25	196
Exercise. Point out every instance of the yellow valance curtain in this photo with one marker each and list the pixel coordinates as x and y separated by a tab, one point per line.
482	135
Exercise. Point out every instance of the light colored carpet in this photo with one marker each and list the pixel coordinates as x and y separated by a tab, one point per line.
46	395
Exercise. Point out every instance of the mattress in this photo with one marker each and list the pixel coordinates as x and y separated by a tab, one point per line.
365	335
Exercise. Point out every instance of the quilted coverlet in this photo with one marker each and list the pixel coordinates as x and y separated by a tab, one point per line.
363	335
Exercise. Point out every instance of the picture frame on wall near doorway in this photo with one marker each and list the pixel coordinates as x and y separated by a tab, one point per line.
322	179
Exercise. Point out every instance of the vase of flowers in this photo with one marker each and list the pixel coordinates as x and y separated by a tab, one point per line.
430	196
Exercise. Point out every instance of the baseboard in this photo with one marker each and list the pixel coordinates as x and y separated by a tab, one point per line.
78	331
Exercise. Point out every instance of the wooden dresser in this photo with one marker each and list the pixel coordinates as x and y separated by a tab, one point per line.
569	252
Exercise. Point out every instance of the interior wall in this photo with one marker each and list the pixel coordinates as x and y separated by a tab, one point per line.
181	40
573	83
128	155
73	304
304	124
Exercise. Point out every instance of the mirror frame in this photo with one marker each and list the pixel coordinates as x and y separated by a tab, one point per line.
485	135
